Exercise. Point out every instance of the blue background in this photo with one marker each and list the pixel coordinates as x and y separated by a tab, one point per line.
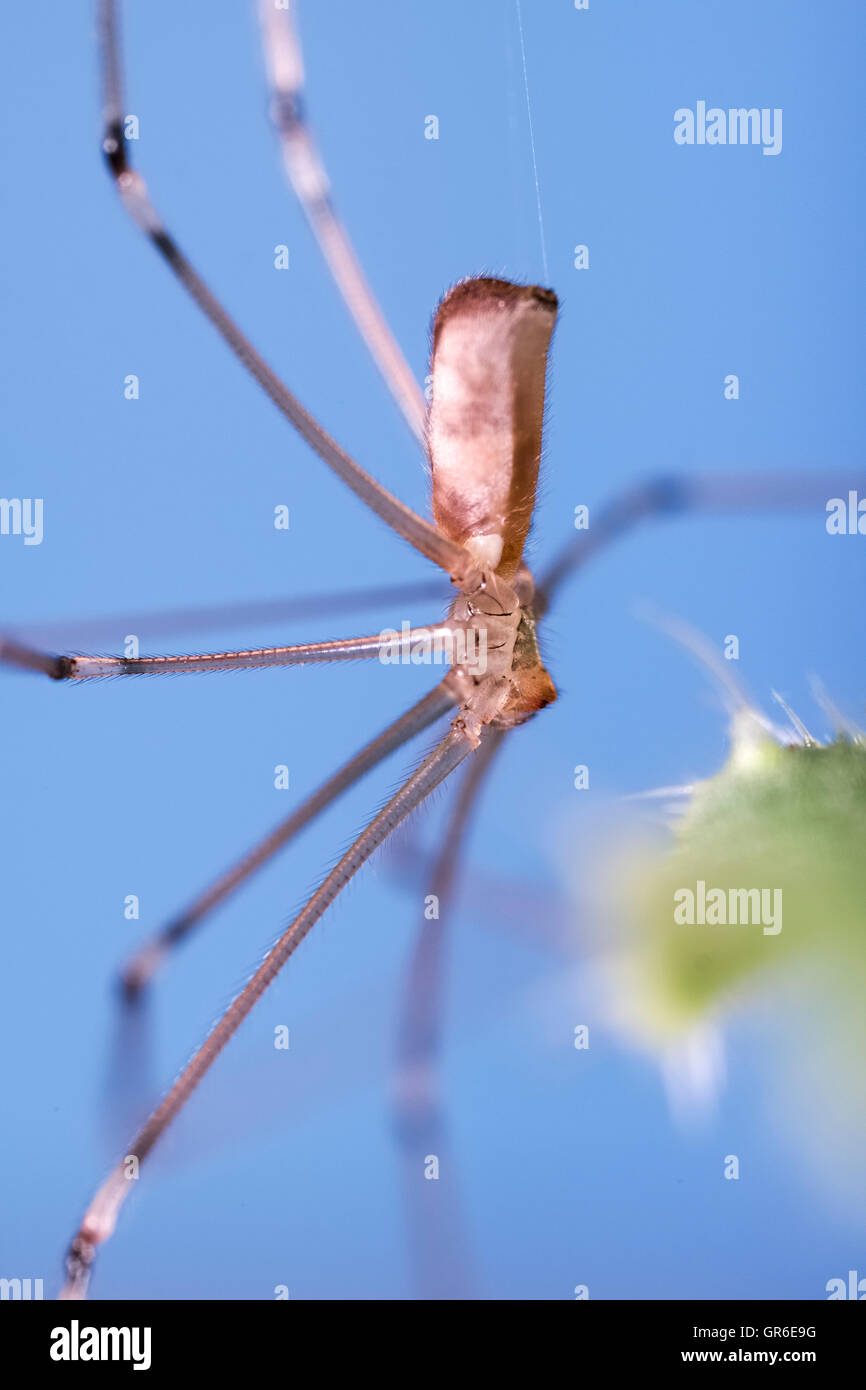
283	1170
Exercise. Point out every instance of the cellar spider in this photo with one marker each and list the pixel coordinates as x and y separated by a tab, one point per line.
480	729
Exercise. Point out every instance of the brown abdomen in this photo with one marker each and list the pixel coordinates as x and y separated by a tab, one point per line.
490	342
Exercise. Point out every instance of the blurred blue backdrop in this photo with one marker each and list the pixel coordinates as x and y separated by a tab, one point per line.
703	262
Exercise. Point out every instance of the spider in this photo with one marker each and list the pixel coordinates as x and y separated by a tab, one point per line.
493	596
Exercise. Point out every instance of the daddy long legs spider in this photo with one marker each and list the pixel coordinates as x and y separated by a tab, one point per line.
774	494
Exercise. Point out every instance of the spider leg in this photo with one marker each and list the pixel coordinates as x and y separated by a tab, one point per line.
101	1216
419	1033
80	668
307	175
141	968
421	534
439	1247
162	622
713	494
